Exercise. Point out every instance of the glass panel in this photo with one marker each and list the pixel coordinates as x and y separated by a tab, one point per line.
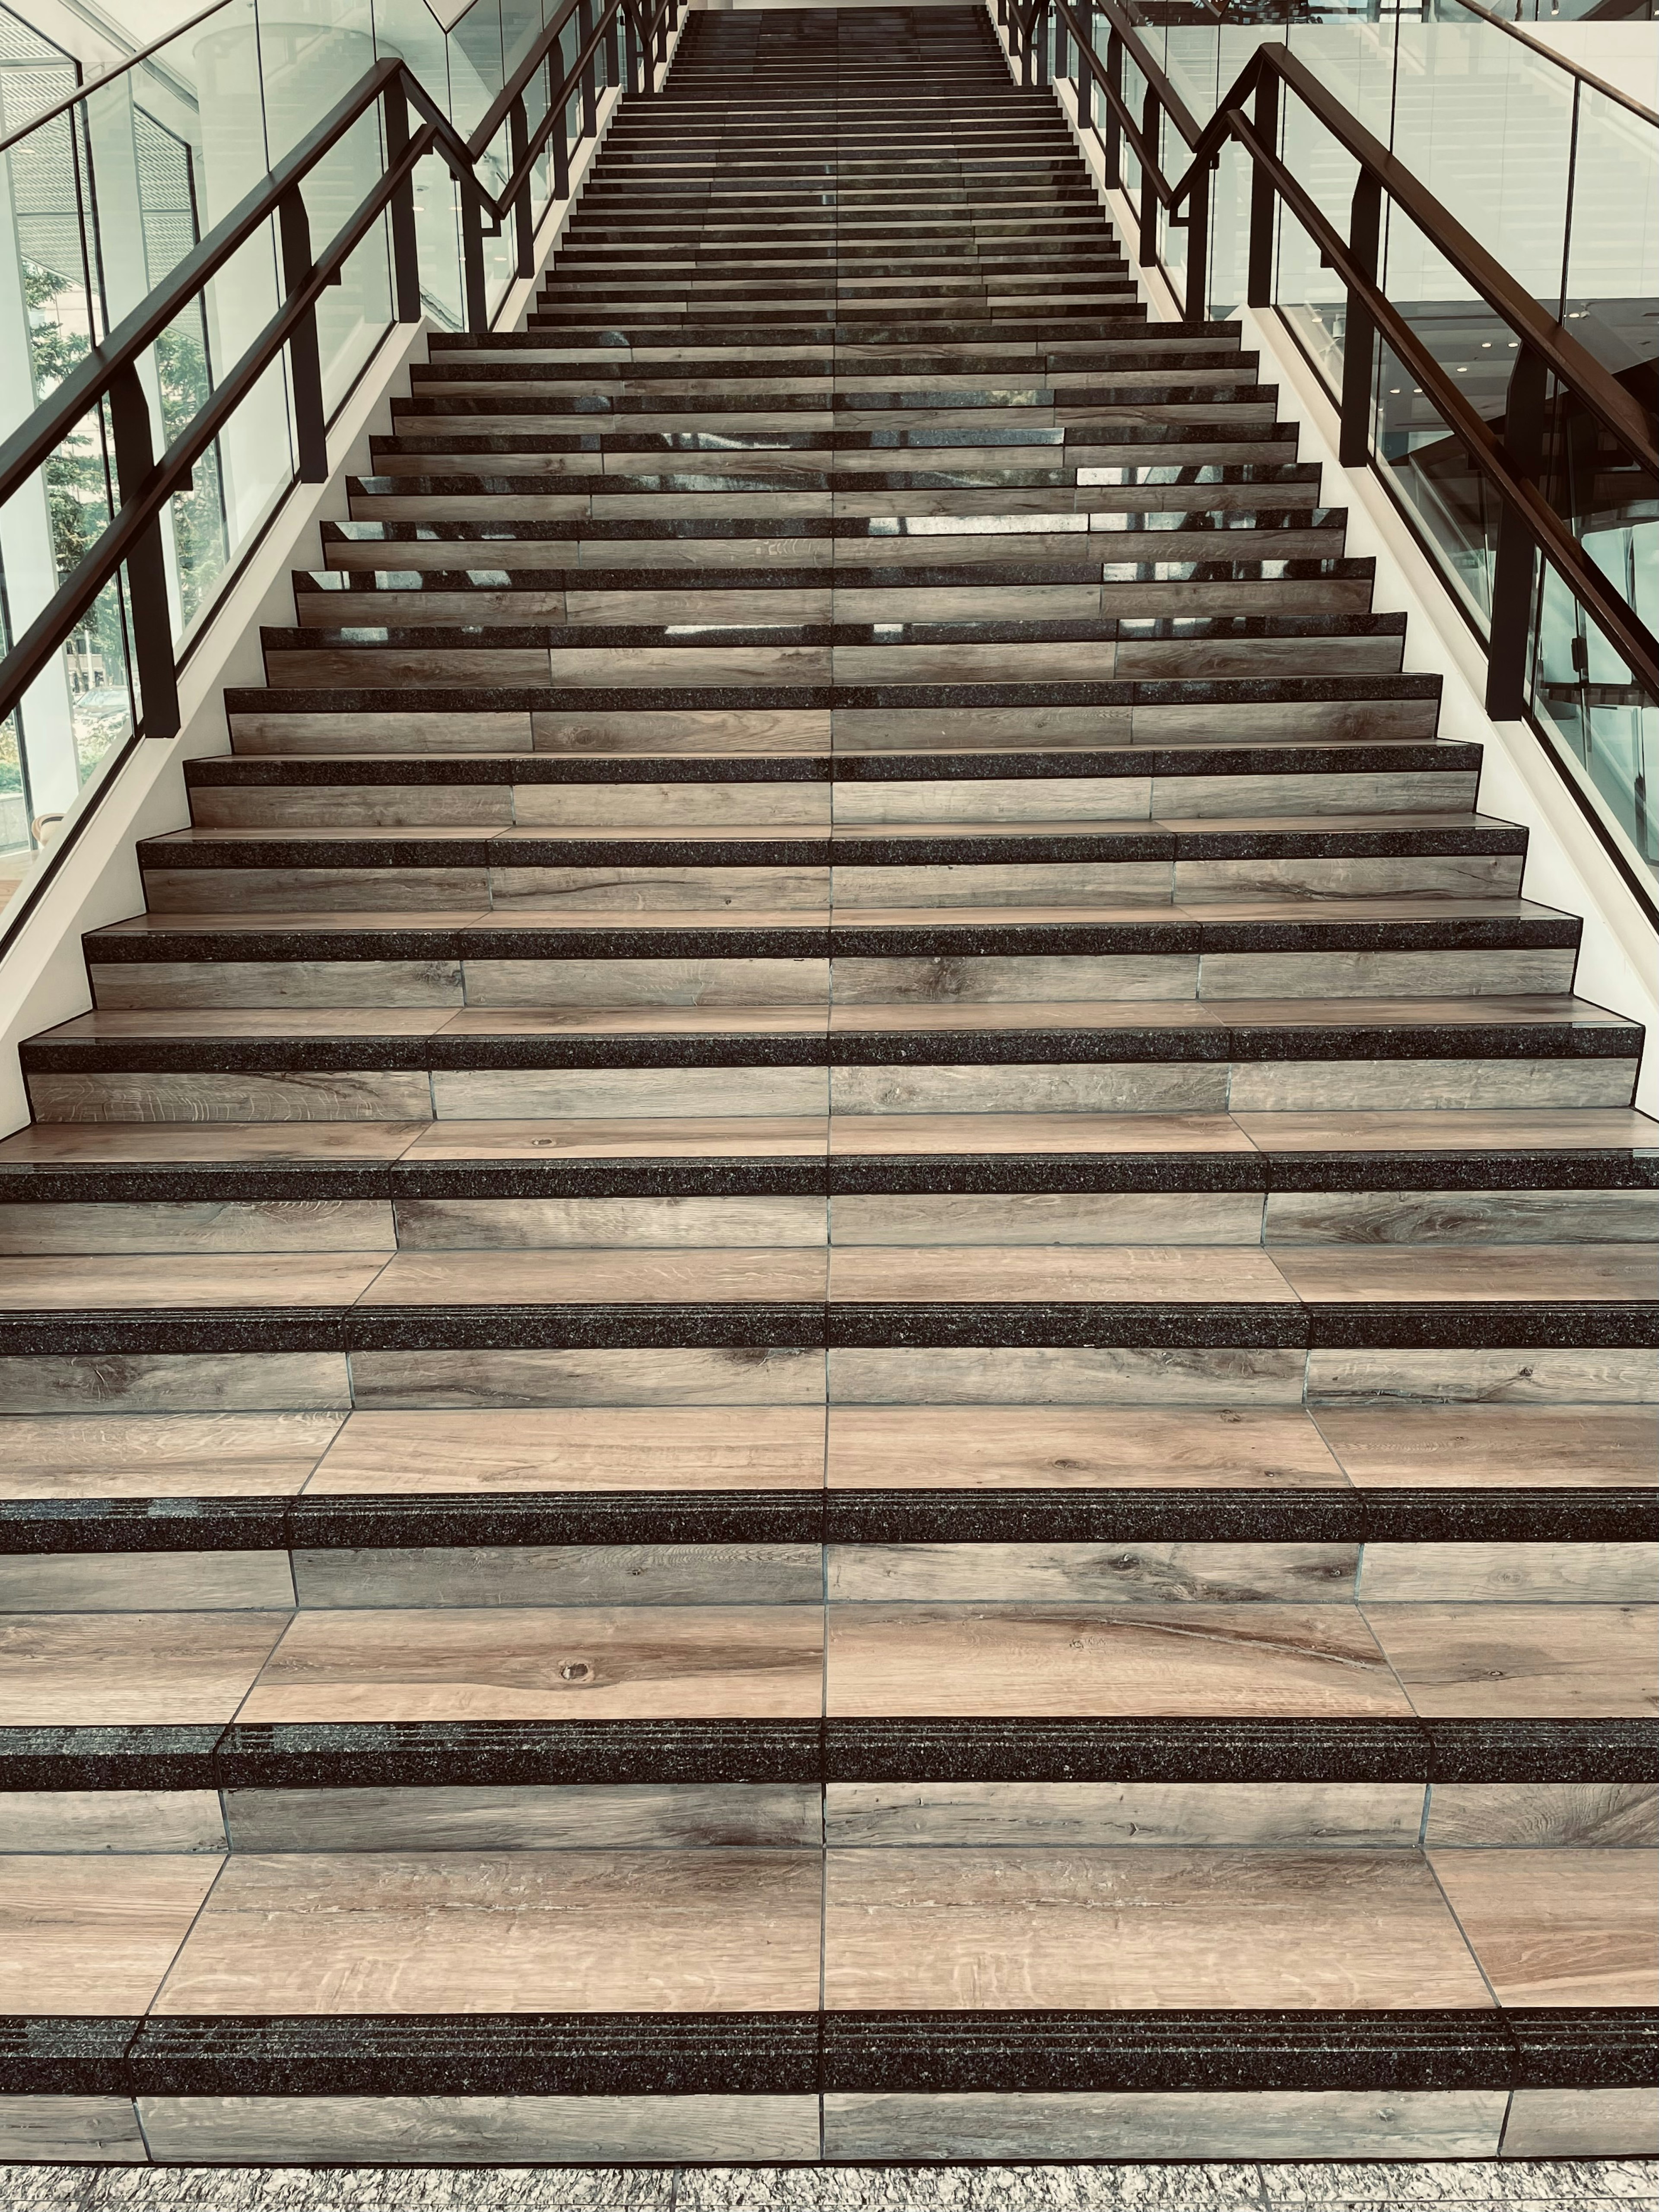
1583	696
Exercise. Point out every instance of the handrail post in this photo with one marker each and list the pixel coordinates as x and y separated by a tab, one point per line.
590	124
1512	566
473	268
1259	282
560	140
518	139
1085	76
147	575
405	255
1150	111
612	52
1359	330
304	361
638	76
1198	247
1113	150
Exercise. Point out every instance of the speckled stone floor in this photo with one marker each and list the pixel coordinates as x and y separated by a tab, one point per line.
1472	2185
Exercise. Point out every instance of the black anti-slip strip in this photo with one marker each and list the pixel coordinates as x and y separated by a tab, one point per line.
421	1754
1239	1515
1510	1325
805	2053
1216	1043
296	1181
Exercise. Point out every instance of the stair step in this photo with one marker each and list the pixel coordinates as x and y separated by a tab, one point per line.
839	1341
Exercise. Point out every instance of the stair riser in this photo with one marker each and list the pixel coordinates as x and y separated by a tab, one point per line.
1350	1381
636	891
487	805
1289	1219
262	724
512	1094
792	1576
533	984
824	602
533	2127
782	1816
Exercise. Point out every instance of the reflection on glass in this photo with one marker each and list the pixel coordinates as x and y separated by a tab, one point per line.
105	198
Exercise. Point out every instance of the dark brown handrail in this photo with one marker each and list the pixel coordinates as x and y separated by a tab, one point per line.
1511	464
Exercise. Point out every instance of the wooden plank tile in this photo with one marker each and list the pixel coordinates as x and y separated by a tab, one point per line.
1090	1574
526	1816
1575	1447
1542	1272
1075	1447
1546	1662
609	1448
522	1664
530	1931
94	1935
1187	2124
1055	1660
941	1274
1543	1814
1559	1927
161	1455
1601	1574
1150	1815
78	1670
617	1277
1014	1929
162	1279
126	1820
1581	2124
93	2131
483	2130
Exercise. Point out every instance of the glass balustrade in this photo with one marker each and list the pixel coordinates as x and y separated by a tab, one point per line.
1558	181
104	197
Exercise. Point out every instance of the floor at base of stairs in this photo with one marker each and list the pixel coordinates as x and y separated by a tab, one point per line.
1471	2185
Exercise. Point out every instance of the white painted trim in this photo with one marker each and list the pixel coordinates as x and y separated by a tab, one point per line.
1567	867
43	978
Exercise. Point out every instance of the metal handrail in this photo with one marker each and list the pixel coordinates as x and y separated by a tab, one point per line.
1510	463
1562	62
109	371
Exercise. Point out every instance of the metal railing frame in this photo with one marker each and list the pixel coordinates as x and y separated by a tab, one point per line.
1511	462
109	372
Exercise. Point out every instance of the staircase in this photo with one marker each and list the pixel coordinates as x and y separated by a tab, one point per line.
837	1343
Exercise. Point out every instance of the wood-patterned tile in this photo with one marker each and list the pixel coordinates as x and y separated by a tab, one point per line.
1611	1273
1538	1815
492	2131
1063	1274
1226	2125
607	1448
1075	1447
95	1935
1015	1659
1559	1927
1150	1815
616	1277
528	1931
164	1279
680	1137
80	1670
1542	1661
161	1455
526	1816
1499	1446
630	1662
1018	1930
